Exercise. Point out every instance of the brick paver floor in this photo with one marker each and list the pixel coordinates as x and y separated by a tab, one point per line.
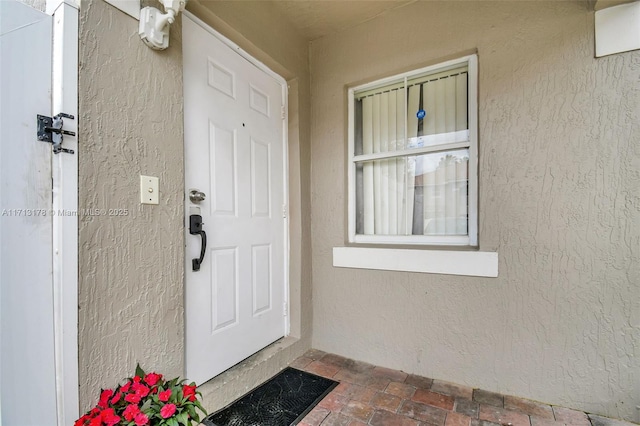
376	396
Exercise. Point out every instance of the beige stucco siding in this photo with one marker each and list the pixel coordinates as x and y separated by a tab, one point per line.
559	201
131	306
131	267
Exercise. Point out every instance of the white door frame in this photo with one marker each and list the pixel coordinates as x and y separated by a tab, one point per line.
285	162
64	98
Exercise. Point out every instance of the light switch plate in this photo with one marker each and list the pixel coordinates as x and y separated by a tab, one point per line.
149	190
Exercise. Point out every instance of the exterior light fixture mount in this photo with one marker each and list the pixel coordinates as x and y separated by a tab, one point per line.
154	25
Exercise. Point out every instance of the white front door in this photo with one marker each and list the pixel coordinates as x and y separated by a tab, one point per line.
27	360
235	154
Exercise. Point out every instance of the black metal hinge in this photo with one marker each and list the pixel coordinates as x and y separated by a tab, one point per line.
50	130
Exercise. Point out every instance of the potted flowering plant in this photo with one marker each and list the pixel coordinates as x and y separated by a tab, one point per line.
146	399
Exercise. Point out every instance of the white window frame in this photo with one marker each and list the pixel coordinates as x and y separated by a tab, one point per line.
472	238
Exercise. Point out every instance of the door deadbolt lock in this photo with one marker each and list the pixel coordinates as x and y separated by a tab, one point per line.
196	196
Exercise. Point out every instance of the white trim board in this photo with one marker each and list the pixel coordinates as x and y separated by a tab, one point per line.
617	29
64	98
130	7
469	263
53	5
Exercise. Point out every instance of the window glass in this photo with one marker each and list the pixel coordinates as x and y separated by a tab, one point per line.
411	147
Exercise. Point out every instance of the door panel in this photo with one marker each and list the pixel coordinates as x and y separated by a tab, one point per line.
234	153
261	270
224	285
260	179
27	367
223	161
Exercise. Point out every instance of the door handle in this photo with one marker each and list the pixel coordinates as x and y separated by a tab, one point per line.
196	196
195	228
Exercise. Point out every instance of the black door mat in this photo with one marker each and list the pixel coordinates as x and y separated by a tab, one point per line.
281	401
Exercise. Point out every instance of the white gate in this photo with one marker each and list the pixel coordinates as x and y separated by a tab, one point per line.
38	247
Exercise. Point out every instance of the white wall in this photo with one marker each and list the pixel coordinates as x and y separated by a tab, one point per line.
559	158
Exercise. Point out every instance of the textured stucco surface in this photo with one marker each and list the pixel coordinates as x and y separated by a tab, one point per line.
559	200
132	267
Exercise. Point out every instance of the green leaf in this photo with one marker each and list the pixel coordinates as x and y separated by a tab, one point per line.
191	410
139	371
182	418
172	421
146	405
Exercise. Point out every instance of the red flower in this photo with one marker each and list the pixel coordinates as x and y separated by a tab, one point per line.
189	392
109	417
107	412
121	405
104	398
125	388
130	412
152	378
168	410
132	398
112	421
141	419
140	390
164	396
81	421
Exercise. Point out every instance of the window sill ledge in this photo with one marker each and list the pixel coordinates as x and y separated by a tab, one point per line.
468	263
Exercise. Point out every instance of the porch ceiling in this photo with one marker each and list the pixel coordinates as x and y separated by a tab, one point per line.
317	18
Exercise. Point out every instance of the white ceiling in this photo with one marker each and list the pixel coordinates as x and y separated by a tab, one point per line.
317	18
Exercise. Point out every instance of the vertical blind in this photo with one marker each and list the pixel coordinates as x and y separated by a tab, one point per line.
422	194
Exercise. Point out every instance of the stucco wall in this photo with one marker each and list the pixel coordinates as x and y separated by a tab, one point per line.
132	267
559	200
